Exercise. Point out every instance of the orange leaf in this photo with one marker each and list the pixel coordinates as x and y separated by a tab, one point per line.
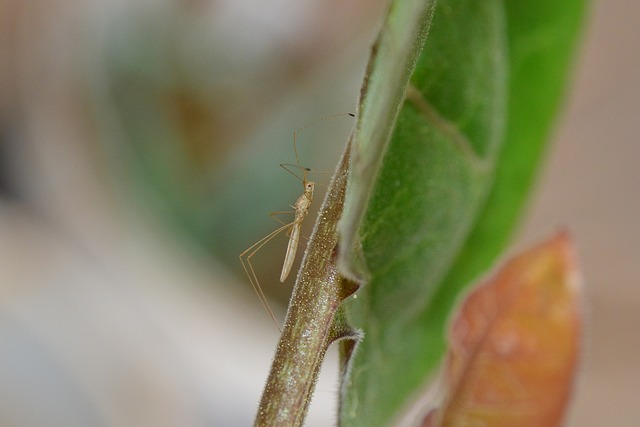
514	344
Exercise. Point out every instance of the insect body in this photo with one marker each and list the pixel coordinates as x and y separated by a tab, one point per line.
300	212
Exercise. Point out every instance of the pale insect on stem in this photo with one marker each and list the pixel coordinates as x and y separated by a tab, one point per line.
301	209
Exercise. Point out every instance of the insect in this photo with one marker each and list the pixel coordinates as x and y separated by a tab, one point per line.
300	212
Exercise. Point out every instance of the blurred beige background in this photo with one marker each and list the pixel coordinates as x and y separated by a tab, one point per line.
121	299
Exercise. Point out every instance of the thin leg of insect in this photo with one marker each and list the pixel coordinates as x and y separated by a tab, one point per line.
273	215
288	232
301	209
245	259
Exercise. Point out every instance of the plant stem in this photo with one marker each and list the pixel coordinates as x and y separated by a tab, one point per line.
308	330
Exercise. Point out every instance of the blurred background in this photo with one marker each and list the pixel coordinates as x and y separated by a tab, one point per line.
139	152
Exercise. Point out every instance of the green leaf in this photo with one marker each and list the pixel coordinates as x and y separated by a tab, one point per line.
392	61
451	184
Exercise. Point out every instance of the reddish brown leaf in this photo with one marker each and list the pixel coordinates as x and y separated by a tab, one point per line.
514	344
